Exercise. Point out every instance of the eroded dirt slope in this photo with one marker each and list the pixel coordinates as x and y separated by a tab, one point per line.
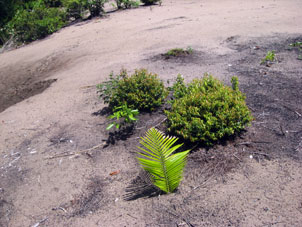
42	182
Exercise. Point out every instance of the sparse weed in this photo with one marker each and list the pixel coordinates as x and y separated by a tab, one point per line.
299	46
269	58
189	50
296	44
177	52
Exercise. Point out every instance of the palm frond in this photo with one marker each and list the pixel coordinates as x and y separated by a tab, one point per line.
165	168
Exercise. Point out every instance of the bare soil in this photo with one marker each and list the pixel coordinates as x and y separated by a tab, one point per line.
60	167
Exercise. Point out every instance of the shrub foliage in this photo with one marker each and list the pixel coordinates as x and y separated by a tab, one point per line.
28	25
127	4
142	91
28	20
150	2
206	110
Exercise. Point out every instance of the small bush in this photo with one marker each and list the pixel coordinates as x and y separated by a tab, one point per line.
150	2
179	89
142	91
206	110
127	4
75	8
29	25
108	88
53	3
96	7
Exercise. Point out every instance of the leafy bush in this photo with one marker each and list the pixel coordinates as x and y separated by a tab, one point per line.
206	110
179	89
108	88
126	4
150	2
165	168
29	25
53	3
75	8
142	91
96	7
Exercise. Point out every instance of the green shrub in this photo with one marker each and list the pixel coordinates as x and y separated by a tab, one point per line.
150	2
126	4
179	89
75	8
108	88
142	91
96	7
53	3
29	25
207	111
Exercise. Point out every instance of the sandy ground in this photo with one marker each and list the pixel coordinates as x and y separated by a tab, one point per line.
78	190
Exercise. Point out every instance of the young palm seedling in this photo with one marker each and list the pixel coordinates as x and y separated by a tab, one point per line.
165	168
124	113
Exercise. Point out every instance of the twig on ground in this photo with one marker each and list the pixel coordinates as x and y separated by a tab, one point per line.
131	216
159	122
77	152
282	131
88	86
60	208
237	157
250	142
204	183
263	154
40	222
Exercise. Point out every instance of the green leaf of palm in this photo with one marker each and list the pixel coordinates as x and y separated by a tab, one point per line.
165	168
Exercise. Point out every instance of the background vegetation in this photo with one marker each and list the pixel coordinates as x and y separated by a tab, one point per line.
27	20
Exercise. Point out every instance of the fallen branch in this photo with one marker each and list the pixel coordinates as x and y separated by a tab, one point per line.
263	154
159	122
77	153
250	142
60	208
